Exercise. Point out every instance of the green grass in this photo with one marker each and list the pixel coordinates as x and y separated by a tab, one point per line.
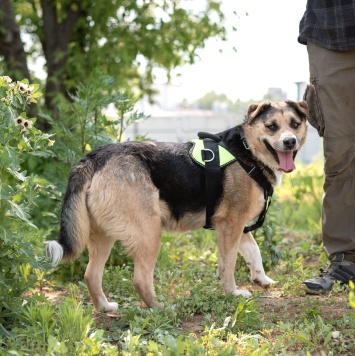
198	318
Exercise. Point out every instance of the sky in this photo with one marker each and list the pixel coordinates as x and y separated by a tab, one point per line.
268	53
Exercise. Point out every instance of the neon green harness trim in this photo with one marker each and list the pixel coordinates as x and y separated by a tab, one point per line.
225	157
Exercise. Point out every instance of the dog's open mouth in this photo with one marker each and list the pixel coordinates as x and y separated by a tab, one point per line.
285	159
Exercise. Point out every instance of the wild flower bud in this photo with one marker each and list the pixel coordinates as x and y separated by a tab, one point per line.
7	79
50	143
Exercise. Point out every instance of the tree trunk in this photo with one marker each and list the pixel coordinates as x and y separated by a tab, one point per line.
55	44
11	46
12	49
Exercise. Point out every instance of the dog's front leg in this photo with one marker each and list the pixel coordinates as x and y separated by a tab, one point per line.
249	249
228	244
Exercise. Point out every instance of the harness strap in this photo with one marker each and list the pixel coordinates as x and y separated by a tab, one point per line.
261	218
243	139
258	176
213	175
256	173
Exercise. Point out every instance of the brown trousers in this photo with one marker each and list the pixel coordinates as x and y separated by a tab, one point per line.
333	75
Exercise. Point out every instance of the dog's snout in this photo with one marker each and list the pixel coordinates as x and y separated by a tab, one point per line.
290	142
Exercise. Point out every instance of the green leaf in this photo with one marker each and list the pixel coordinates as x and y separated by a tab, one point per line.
6	192
328	338
19	175
303	337
18	211
10	158
24	145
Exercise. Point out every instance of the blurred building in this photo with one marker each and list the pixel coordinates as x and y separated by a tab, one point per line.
276	94
182	125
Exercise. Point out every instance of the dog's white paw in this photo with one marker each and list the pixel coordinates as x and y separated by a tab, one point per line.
112	306
242	292
109	307
264	281
159	305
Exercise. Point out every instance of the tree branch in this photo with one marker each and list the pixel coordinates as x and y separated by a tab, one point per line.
57	36
68	25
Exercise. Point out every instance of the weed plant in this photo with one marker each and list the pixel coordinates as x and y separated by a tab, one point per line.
301	196
19	193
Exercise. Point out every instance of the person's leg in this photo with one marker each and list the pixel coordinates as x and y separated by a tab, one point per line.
332	74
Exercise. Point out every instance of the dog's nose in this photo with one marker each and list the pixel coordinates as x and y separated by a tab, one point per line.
290	142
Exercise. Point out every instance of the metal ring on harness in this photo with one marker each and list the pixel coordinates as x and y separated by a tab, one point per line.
208	160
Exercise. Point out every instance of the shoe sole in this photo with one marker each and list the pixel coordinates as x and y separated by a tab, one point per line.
313	291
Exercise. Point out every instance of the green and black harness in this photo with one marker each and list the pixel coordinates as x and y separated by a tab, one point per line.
211	153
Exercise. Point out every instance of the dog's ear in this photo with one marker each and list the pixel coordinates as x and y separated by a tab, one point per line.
301	107
255	110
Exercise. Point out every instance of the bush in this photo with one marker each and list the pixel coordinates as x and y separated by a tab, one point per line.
19	191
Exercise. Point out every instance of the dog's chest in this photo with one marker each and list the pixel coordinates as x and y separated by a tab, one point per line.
254	202
257	208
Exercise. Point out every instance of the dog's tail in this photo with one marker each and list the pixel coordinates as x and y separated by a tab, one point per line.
75	224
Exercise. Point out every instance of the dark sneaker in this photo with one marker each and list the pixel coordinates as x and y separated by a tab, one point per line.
341	272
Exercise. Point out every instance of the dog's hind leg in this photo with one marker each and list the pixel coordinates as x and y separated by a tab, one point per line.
145	257
249	249
228	246
99	251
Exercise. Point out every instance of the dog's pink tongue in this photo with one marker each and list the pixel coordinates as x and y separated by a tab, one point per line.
286	161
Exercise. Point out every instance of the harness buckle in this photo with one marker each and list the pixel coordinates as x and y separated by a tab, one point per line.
245	144
251	172
203	152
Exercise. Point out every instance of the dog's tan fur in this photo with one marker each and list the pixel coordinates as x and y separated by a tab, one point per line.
120	202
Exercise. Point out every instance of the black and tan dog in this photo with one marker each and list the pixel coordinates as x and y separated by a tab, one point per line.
130	192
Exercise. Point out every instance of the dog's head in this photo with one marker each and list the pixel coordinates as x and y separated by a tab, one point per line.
276	131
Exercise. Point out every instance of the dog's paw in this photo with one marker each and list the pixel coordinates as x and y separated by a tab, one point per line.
154	304
157	305
264	281
242	292
110	307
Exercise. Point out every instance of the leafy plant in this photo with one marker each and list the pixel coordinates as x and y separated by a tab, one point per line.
301	198
64	330
268	237
18	194
85	123
246	316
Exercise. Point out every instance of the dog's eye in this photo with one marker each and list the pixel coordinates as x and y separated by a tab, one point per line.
295	124
272	127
